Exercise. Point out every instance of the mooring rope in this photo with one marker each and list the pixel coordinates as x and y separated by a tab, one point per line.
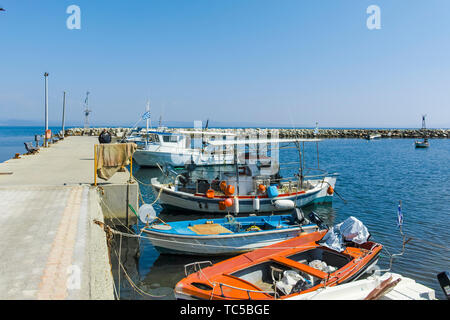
133	285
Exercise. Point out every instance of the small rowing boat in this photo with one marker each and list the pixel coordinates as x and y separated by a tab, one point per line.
227	235
283	270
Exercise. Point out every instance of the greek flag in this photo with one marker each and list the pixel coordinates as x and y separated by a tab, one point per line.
399	216
146	115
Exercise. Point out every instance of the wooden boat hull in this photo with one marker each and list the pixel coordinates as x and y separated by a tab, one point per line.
242	277
171	199
221	244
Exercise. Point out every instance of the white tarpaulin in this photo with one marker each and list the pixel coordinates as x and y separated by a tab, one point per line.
350	230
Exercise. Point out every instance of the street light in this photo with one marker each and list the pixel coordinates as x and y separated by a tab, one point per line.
46	111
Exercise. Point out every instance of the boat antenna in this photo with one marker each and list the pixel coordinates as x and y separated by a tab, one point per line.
203	137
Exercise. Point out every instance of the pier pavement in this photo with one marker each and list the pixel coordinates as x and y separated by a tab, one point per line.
51	249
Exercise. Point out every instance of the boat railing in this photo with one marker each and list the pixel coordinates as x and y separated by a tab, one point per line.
249	291
196	266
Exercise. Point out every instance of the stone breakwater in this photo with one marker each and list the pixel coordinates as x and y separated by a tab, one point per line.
291	133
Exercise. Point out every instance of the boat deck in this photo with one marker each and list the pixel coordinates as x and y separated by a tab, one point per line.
205	227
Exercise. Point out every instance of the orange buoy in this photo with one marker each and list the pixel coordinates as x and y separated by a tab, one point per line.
228	202
223	185
48	134
222	205
210	193
262	188
229	190
330	190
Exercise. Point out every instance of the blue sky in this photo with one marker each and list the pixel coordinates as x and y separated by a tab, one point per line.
280	62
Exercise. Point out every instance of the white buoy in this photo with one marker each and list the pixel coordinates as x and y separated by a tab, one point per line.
284	204
256	204
147	213
236	205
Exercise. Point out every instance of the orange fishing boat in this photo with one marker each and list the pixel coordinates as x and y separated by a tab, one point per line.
281	271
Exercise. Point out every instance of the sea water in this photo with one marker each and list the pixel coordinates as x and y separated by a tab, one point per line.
373	177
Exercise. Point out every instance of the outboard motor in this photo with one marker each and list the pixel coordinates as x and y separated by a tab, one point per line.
314	218
299	216
444	281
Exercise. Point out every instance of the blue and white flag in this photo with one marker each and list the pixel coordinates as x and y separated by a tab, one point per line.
399	216
146	115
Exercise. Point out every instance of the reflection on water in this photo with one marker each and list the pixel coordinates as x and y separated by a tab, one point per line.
373	177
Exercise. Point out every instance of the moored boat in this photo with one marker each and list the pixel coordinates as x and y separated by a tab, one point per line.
252	187
174	148
424	143
281	271
225	236
388	286
373	136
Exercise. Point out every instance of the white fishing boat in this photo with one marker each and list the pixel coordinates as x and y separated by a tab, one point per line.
250	187
373	136
174	148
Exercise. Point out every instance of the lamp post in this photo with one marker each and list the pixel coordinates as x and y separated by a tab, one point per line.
63	114
46	110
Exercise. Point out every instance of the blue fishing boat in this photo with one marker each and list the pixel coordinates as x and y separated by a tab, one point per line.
226	236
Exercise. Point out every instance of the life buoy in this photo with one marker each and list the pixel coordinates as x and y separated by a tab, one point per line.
48	134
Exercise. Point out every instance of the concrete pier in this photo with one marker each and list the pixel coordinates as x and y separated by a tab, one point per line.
51	248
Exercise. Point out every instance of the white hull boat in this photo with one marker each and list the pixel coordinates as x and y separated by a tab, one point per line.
251	187
314	191
396	287
174	149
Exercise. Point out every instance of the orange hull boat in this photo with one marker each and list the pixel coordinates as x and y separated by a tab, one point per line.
256	275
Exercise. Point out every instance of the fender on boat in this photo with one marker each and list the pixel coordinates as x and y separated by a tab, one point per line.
284	204
256	204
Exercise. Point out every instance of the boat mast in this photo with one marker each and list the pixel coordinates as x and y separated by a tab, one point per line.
147	109
237	165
